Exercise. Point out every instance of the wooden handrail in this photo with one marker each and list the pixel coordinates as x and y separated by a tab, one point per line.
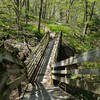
54	54
36	56
88	84
90	71
87	56
36	49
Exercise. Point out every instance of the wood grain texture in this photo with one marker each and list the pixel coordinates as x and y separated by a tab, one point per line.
87	56
94	71
92	86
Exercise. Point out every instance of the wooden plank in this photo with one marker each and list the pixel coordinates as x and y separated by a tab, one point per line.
87	56
54	53
16	82
33	65
92	86
38	51
14	71
91	71
35	56
46	36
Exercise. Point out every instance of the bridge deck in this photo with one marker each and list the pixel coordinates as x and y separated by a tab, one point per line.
42	89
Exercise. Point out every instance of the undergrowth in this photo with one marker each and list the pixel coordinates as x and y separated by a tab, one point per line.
10	28
74	39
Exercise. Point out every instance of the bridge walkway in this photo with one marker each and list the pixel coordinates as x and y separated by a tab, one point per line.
41	89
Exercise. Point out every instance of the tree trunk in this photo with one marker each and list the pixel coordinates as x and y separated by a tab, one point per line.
45	10
27	10
61	14
53	11
86	20
92	10
85	11
67	16
18	14
68	10
40	13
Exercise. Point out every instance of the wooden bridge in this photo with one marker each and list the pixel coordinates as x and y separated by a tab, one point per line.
42	71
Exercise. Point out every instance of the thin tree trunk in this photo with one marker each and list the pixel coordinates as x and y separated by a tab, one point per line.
53	11
40	13
67	16
61	14
18	14
85	29
92	10
68	11
27	10
45	10
86	23
85	11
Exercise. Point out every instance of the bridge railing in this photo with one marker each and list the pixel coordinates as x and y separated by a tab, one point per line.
63	72
55	50
36	57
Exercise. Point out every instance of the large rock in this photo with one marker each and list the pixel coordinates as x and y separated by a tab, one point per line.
18	49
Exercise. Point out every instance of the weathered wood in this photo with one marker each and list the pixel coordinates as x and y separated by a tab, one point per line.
16	82
95	71
87	56
37	56
36	49
14	71
92	86
54	54
53	57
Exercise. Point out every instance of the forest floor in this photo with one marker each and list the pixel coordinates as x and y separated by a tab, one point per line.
45	28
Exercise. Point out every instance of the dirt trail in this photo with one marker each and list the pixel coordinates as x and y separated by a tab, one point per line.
52	34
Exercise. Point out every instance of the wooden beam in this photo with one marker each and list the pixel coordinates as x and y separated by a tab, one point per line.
16	82
36	58
87	56
37	48
14	71
90	71
92	86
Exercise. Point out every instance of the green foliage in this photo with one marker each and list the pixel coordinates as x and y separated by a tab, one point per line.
85	95
49	22
32	29
57	28
74	41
